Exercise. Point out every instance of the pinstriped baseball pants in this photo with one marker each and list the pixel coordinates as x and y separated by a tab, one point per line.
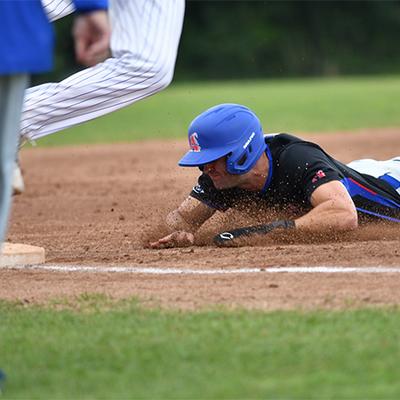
144	44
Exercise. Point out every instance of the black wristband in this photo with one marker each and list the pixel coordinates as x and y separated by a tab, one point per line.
229	236
286	224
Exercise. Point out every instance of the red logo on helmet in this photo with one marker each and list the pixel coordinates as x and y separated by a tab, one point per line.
319	175
194	143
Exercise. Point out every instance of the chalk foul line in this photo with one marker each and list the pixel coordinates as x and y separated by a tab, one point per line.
215	271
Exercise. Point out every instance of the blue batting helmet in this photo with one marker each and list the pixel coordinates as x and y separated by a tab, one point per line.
225	130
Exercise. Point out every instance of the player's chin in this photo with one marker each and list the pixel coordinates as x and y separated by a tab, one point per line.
220	186
221	183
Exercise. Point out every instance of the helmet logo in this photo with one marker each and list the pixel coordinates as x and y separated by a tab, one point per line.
249	140
194	143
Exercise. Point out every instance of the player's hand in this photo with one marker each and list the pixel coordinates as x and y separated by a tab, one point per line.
92	33
175	239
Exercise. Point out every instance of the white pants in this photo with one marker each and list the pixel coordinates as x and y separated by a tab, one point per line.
388	170
144	44
11	96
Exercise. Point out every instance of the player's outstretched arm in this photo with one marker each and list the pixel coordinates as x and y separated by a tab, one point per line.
183	223
333	208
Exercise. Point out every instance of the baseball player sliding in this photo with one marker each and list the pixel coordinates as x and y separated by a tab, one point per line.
144	44
238	162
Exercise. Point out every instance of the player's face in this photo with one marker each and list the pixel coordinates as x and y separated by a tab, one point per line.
222	179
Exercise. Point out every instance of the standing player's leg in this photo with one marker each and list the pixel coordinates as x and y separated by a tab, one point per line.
144	44
11	98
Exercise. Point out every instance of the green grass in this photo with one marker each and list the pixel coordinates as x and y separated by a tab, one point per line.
296	105
123	351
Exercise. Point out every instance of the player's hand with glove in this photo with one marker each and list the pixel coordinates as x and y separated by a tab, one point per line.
175	239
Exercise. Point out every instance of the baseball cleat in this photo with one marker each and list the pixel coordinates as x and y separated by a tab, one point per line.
18	185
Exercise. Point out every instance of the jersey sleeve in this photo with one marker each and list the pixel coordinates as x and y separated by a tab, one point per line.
90	5
205	192
308	167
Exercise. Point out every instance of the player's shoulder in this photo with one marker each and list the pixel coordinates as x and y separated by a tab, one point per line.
282	140
289	150
283	144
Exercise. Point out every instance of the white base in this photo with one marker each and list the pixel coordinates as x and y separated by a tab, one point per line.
15	254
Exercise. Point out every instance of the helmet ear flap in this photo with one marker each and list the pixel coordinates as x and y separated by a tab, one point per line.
236	162
243	159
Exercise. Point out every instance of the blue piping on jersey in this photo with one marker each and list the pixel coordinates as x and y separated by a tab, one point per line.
269	178
377	215
391	181
355	188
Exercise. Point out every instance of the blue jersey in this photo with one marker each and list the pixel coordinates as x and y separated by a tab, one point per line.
26	35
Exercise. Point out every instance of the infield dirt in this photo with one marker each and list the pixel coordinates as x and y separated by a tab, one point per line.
101	204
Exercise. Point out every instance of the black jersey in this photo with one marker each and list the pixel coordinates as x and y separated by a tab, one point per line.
297	168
